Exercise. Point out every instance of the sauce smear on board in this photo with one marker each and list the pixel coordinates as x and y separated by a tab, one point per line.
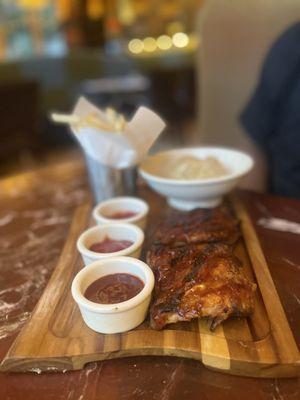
114	288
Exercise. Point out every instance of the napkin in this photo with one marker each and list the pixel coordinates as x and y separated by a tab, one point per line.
116	149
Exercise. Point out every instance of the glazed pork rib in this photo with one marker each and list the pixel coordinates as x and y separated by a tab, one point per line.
197	279
199	226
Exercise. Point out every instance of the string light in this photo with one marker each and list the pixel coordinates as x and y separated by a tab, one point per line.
164	42
180	39
136	46
149	44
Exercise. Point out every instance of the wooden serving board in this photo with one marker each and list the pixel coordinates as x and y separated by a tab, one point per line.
56	337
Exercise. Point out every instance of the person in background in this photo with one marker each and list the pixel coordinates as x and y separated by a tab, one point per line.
272	116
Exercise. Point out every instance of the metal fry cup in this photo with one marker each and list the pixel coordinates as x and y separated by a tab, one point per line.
107	182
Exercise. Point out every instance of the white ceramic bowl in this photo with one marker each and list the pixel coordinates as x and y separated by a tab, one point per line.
113	318
189	194
113	231
117	204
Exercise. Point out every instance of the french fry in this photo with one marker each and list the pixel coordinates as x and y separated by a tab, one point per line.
115	122
65	118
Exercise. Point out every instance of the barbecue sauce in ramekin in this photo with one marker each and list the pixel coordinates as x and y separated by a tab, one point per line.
108	245
114	288
121	215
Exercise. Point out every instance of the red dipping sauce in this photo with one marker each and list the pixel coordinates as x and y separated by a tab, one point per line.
115	288
121	215
109	245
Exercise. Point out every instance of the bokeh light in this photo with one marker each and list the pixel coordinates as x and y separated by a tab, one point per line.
136	46
164	42
180	39
149	44
175	26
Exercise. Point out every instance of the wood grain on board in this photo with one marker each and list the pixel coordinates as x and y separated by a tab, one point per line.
56	337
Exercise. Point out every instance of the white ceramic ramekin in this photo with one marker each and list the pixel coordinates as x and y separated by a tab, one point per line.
113	231
113	318
117	204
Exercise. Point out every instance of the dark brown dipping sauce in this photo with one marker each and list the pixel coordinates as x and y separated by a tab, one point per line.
115	288
109	245
121	215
